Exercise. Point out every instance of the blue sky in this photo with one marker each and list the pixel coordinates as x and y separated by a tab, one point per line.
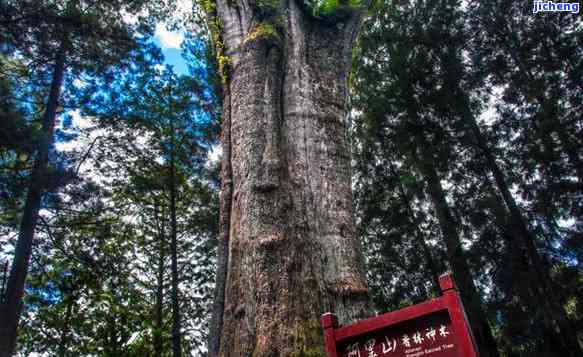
169	42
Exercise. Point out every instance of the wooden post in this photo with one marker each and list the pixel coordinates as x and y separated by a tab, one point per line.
458	316
329	323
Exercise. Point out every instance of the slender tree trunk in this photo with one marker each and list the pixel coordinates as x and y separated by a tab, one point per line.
516	281
11	307
424	160
556	320
293	247
176	334
158	316
461	270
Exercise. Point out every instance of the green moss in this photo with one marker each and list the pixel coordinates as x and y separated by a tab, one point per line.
263	31
209	6
216	26
224	64
308	340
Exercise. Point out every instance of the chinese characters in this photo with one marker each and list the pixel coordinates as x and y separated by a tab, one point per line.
390	345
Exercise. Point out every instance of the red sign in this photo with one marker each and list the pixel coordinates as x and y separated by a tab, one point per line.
435	328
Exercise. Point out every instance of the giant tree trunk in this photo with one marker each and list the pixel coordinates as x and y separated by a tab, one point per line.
11	306
461	270
293	251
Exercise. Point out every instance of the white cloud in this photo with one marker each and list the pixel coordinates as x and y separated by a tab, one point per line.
168	39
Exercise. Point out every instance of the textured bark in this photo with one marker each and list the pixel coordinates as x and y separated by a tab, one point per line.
216	323
293	251
461	270
158	316
11	306
176	333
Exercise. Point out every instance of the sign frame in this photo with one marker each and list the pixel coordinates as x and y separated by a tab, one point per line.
449	301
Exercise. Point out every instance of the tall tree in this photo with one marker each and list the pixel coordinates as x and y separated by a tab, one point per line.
535	61
402	57
457	63
287	216
64	36
170	108
523	240
403	260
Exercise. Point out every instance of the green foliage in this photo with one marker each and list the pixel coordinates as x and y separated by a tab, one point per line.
422	69
102	250
93	276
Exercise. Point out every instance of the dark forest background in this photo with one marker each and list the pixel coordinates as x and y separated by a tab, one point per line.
466	126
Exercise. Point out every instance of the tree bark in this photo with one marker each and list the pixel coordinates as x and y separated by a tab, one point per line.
112	344
11	307
461	270
176	334
293	251
158	313
216	323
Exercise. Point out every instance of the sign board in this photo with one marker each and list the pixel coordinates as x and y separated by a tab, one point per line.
435	328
